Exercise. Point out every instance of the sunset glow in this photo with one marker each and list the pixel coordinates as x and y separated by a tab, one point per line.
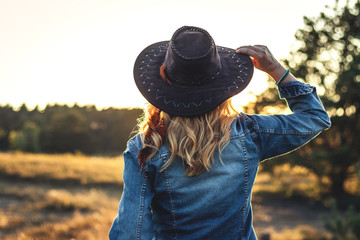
79	51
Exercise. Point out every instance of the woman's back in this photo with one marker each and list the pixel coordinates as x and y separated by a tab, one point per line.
205	206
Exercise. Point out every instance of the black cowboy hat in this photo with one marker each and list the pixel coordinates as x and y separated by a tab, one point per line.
189	75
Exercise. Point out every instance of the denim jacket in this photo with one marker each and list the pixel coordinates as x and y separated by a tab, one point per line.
215	204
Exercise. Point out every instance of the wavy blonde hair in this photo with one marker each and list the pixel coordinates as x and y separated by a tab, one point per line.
193	139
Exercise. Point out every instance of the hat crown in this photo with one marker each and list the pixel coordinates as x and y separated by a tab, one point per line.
192	58
191	43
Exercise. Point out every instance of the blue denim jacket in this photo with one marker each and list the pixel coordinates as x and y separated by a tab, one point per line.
215	204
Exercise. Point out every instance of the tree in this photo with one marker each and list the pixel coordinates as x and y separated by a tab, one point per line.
327	56
8	123
26	139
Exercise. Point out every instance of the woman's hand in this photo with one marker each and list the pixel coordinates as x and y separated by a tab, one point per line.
265	61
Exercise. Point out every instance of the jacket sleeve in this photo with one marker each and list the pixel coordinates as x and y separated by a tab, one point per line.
279	134
134	218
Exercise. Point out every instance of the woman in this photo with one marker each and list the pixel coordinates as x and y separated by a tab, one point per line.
189	172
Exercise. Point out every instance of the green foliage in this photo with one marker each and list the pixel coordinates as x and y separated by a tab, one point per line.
32	133
68	131
17	140
7	123
328	56
343	227
59	129
26	139
2	133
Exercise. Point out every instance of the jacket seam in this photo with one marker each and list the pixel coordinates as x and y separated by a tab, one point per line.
158	157
141	210
286	132
245	184
172	203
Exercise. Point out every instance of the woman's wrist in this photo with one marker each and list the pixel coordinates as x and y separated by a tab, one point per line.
280	73
277	72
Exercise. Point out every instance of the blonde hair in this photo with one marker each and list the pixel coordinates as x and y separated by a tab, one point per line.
193	139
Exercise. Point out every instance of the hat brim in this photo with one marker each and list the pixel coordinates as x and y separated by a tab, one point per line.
236	73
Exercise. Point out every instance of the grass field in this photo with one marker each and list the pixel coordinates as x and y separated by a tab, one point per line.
67	196
60	196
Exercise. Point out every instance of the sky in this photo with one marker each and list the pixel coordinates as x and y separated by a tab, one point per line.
83	51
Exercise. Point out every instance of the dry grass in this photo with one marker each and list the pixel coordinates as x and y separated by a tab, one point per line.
289	182
34	208
81	226
43	212
84	169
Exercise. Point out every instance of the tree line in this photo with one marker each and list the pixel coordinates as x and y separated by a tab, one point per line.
61	129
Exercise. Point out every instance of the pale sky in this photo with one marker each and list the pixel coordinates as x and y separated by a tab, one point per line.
82	51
